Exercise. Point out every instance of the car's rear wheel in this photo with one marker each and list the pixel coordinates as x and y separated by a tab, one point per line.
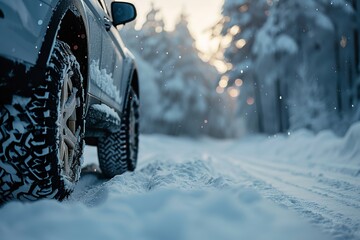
118	151
41	133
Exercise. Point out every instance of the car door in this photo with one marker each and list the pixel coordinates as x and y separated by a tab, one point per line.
96	25
111	61
105	65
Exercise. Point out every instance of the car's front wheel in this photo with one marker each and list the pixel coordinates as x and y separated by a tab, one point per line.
41	133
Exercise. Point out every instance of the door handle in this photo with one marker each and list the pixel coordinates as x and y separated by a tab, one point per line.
107	23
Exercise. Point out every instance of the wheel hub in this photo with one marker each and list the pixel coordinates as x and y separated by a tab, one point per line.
68	122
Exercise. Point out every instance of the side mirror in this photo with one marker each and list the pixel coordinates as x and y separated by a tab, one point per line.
122	12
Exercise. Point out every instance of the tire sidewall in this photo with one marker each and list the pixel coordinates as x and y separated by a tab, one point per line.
68	63
30	167
132	108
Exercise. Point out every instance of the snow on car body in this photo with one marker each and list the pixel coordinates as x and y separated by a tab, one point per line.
63	68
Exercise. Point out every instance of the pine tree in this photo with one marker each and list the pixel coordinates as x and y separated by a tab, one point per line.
242	19
184	85
307	107
296	29
149	37
185	88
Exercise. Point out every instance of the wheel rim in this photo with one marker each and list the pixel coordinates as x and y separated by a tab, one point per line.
68	122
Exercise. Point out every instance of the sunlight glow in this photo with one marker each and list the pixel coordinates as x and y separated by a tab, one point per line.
219	90
234	30
220	66
226	41
202	15
240	43
223	83
238	82
250	101
233	92
226	78
244	8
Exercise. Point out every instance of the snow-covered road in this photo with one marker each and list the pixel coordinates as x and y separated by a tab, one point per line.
328	200
302	187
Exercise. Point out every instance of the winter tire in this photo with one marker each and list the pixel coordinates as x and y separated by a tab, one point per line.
118	151
41	133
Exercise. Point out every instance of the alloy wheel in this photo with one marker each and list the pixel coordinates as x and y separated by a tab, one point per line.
69	135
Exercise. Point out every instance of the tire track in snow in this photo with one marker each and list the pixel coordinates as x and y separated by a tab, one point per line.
337	214
346	193
325	194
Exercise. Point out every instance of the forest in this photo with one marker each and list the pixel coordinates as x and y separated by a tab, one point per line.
285	65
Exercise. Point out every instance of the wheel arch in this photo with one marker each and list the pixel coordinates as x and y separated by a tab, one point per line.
135	82
67	16
73	31
132	83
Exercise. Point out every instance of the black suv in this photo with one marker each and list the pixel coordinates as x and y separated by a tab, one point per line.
66	78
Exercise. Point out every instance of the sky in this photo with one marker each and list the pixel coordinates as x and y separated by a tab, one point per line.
202	15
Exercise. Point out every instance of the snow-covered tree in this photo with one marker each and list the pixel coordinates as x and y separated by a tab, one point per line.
242	19
307	108
188	90
268	43
151	41
184	85
154	42
293	30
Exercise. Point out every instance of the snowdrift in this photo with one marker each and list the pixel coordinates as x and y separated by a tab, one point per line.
306	147
163	214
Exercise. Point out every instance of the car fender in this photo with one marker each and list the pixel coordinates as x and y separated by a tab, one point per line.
25	57
25	23
131	77
60	9
130	69
32	27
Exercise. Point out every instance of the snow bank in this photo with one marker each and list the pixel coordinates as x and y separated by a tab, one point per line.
305	147
350	144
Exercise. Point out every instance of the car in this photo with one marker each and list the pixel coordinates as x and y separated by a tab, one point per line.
66	80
